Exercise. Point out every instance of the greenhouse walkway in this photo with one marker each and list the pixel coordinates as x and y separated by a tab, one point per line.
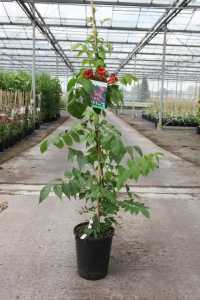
156	259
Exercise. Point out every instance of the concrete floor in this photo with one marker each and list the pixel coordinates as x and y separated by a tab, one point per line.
182	141
156	259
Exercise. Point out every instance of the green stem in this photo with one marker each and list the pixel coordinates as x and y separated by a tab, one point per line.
99	170
94	27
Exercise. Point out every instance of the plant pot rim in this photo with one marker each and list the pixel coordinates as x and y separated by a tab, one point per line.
90	238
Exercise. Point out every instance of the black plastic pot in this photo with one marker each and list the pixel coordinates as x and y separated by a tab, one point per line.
12	141
6	143
198	129
1	146
37	125
93	255
29	131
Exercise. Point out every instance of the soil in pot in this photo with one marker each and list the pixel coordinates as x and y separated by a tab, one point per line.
93	254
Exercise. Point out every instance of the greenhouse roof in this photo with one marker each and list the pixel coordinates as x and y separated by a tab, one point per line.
136	29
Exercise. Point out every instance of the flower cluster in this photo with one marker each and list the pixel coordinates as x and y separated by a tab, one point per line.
100	74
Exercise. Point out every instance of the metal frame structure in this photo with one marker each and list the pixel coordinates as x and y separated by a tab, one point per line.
119	3
133	33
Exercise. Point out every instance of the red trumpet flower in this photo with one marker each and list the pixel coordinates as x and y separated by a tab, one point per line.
112	79
101	73
88	74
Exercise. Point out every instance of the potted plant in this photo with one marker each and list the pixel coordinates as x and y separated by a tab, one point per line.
198	118
2	132
102	170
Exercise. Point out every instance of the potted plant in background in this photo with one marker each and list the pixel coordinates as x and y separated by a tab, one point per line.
198	118
102	169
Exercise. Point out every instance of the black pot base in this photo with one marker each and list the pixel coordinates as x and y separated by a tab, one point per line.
93	255
93	276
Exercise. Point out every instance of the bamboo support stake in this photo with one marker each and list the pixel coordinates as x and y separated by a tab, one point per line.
99	168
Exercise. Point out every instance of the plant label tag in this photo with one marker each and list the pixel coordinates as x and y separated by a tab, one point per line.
98	95
83	236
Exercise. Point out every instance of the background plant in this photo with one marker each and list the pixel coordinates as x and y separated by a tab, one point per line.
48	88
17	117
198	113
50	96
184	113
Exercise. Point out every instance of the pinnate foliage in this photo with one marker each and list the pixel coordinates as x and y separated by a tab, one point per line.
119	164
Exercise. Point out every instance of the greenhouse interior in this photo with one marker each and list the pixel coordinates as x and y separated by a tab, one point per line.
100	149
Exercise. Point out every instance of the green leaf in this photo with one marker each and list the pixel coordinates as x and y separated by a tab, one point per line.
76	109
127	79
45	192
44	146
123	175
75	136
138	150
65	189
75	46
145	211
134	207
58	190
74	187
71	84
58	143
114	95
77	103
134	169
86	62
81	160
67	139
68	174
87	85
117	149
105	20
72	153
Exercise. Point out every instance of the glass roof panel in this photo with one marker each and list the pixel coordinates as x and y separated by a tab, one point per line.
126	27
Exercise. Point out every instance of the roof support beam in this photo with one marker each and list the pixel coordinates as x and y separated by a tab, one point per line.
139	66
72	58
140	74
114	28
114	52
41	25
108	3
113	63
160	25
110	41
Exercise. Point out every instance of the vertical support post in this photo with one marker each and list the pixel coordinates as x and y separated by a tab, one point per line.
135	83
152	91
181	89
176	97
57	66
33	68
198	92
138	91
162	80
135	62
193	97
158	87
